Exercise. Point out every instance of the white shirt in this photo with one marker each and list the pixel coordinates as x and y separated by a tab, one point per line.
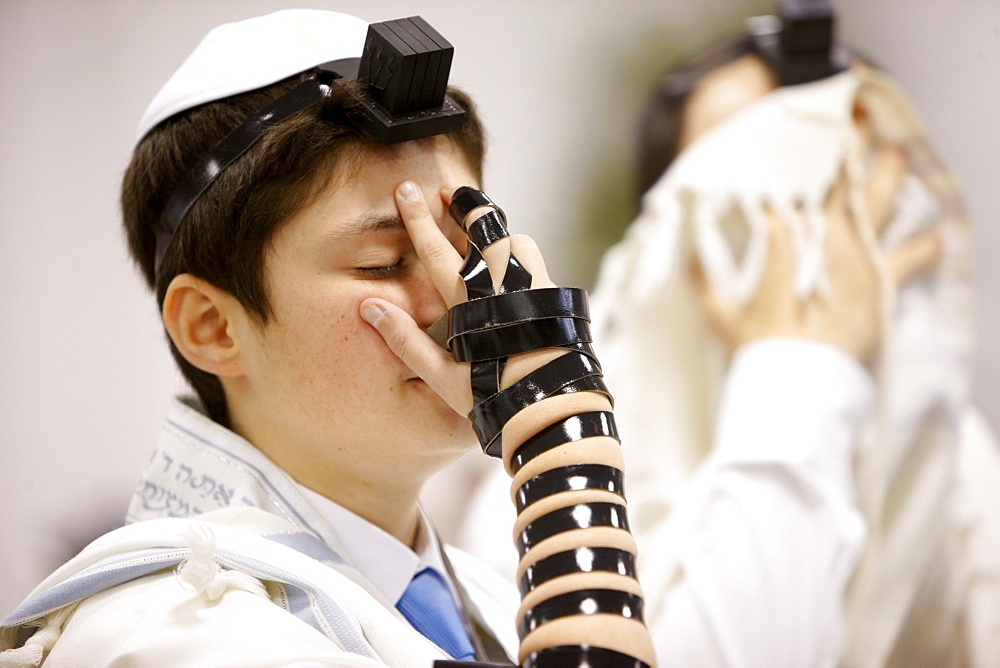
382	558
751	566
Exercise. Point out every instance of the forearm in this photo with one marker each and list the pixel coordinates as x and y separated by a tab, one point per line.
763	542
549	416
582	500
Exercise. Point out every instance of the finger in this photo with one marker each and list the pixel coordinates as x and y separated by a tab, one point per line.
527	253
914	257
835	206
722	316
778	274
448	378
883	185
486	225
433	248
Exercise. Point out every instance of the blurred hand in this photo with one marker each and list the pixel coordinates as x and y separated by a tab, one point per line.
847	317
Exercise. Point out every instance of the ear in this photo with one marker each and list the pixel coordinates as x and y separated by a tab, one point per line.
200	320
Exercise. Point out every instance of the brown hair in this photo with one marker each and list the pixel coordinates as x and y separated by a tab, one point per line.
662	118
662	121
224	236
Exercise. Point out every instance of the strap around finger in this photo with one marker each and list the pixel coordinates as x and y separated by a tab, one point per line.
465	199
487	230
883	185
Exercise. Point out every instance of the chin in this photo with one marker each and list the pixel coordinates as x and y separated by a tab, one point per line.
457	435
437	448
452	427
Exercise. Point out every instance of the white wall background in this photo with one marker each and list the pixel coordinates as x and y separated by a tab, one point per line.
84	374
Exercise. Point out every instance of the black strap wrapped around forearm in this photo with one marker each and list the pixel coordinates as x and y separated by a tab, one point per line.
581	655
492	441
573	372
584	602
507	319
579	560
578	516
573	428
572	478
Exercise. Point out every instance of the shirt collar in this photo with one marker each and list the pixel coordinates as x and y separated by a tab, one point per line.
383	559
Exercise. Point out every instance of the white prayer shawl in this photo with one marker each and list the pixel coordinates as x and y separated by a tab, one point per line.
226	563
930	564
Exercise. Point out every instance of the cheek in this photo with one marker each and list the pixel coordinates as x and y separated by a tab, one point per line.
330	336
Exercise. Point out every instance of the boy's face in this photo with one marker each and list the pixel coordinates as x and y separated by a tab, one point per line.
322	395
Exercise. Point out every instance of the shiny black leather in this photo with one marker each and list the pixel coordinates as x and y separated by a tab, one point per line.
583	602
572	478
579	560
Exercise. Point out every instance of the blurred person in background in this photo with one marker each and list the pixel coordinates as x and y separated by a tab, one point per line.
789	319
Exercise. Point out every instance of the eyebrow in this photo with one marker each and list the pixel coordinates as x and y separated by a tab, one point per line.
366	224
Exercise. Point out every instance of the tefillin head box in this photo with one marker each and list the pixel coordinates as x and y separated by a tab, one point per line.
405	66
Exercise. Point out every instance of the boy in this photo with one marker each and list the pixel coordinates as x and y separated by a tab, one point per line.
296	255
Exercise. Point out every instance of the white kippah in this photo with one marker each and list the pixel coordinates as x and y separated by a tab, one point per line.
245	55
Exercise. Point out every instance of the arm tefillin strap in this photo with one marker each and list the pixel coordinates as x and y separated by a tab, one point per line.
486	331
569	479
582	602
581	655
495	324
578	560
579	516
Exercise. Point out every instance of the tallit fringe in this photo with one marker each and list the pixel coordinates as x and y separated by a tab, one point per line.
29	655
37	647
202	572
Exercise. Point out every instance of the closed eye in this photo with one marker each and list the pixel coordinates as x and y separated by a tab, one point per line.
380	271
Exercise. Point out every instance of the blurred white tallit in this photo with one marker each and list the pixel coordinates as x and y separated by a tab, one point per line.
927	588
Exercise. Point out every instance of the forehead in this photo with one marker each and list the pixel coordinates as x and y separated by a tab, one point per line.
422	160
368	184
356	196
723	92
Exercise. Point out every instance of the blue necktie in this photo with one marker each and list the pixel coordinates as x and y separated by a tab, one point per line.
428	606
